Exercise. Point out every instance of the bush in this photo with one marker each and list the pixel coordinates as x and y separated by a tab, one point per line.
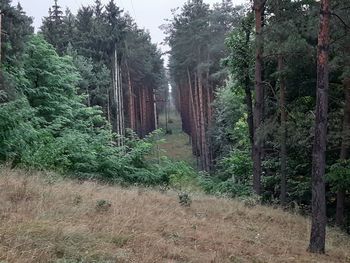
228	188
178	175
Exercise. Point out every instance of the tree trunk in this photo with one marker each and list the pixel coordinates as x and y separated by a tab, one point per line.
283	153
155	110
199	134
259	6
319	220
248	95
131	100
344	152
204	155
0	40
194	134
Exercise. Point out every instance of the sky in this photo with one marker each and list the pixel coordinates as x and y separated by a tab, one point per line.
148	14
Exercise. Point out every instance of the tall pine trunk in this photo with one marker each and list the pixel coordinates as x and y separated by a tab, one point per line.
344	152
319	220
194	122
248	93
283	142
204	156
259	6
196	102
131	99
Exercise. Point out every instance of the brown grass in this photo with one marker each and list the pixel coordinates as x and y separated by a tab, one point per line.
47	220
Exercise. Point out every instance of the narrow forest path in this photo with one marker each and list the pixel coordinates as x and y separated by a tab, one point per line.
177	145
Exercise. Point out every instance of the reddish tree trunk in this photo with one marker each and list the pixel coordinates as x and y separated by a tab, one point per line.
204	155
196	102
131	100
194	132
319	220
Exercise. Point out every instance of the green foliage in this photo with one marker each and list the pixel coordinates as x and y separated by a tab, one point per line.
339	175
228	188
181	175
48	126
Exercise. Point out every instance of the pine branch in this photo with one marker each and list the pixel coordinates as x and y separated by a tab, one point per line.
341	20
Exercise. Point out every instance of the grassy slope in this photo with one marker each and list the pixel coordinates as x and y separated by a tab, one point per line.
45	220
176	145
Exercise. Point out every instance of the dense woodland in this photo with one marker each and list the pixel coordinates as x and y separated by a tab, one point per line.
263	91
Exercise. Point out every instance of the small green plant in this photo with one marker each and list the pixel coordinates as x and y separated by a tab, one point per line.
120	241
251	201
78	199
185	199
103	205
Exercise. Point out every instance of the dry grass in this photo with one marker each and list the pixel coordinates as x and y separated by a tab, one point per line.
46	220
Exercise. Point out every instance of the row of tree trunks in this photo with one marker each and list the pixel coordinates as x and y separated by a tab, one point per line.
140	104
195	96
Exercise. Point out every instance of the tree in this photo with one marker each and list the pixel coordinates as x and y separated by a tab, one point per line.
52	28
319	220
258	7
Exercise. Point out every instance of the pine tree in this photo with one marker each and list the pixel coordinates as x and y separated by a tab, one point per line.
319	219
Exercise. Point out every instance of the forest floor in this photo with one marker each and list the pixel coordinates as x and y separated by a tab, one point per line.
176	145
45	218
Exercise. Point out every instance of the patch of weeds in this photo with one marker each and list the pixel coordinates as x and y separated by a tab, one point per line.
251	201
120	241
21	193
78	199
103	205
234	259
185	199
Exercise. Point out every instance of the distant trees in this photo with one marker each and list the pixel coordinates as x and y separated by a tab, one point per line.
50	114
196	36
112	42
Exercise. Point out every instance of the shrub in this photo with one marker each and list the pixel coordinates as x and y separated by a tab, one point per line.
103	205
185	199
228	188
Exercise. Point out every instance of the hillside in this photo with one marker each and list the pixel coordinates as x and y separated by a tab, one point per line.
45	219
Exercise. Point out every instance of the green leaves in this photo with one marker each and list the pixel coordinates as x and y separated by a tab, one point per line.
339	175
49	127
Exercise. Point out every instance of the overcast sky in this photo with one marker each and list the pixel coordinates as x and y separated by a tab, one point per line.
149	14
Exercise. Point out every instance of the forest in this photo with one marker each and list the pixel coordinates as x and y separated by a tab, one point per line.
261	91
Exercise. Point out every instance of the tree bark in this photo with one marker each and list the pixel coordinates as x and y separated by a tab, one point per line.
199	134
259	6
204	155
155	110
194	133
319	220
248	94
131	100
344	153
283	153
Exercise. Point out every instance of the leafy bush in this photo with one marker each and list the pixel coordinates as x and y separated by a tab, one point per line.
48	126
339	175
228	188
